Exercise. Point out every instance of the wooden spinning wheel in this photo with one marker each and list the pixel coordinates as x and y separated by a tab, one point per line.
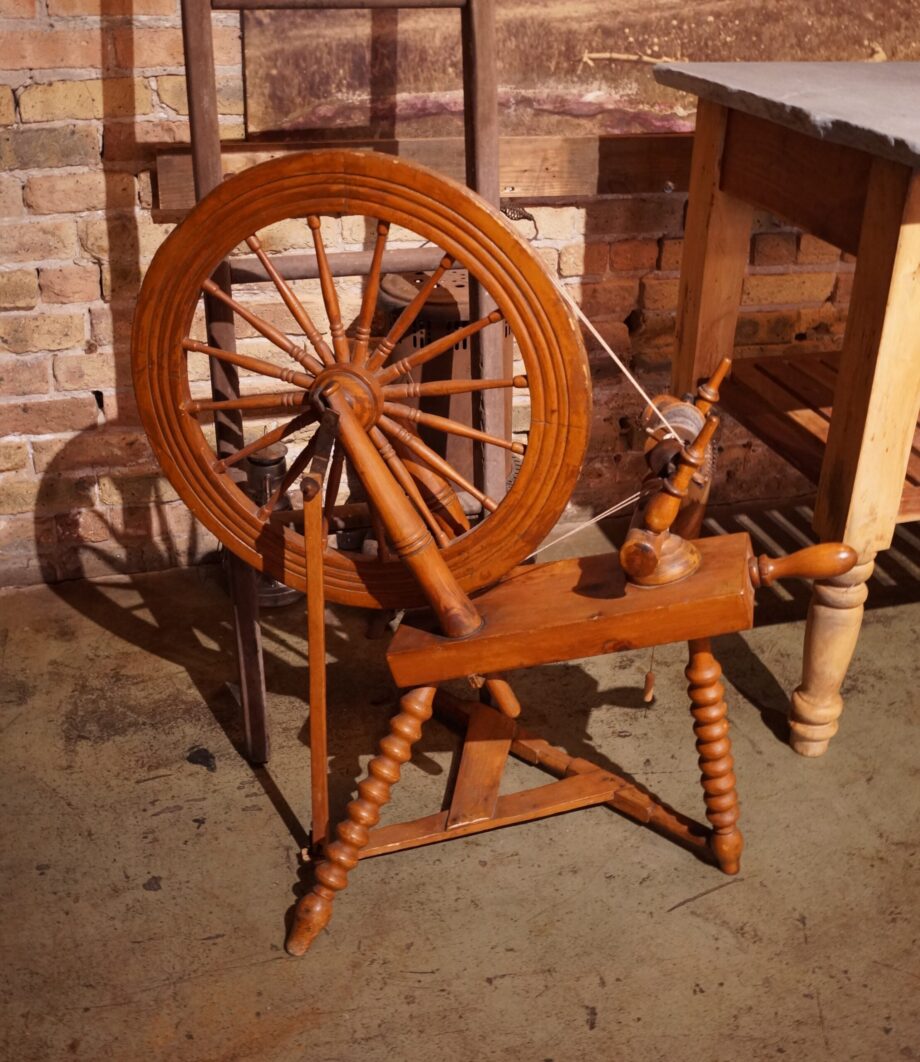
411	490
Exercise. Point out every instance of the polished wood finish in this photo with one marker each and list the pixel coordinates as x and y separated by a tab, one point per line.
710	725
823	561
485	750
475	551
314	542
315	909
582	607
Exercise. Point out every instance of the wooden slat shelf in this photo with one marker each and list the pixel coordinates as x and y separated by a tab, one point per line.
787	399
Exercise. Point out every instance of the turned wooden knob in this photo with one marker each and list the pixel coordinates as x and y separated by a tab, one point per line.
824	561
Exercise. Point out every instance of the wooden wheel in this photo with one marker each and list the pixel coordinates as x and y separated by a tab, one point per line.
478	549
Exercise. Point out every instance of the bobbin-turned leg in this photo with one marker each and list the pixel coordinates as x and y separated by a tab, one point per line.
834	618
710	724
315	909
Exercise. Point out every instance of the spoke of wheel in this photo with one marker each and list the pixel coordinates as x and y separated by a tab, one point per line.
298	311
297	466
408	484
245	361
438	388
369	302
435	461
330	295
268	439
271	400
440	495
385	347
272	334
384	553
452	427
439	346
332	486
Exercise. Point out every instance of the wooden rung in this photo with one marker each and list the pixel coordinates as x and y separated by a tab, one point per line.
485	753
579	791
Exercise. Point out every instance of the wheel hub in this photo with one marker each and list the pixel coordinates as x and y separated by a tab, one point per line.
361	390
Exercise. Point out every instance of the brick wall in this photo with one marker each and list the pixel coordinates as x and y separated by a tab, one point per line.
87	89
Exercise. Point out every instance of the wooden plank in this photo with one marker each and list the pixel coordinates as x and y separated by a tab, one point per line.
485	752
878	394
815	184
716	249
529	167
331	5
578	791
582	607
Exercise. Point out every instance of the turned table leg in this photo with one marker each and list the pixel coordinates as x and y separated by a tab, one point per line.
834	618
717	776
341	856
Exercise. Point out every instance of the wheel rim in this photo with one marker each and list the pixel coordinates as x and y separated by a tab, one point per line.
392	192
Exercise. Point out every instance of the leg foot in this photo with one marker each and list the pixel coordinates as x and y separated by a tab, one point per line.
315	909
834	618
710	724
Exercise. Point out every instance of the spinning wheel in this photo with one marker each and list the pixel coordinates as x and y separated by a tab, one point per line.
406	481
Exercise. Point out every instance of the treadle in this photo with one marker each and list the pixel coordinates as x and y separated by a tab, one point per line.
583	607
786	400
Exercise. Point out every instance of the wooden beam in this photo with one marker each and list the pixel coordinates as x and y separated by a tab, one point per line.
817	185
530	168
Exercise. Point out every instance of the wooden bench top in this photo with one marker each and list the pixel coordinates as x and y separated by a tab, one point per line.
583	607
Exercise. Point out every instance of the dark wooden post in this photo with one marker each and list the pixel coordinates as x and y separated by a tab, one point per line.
198	44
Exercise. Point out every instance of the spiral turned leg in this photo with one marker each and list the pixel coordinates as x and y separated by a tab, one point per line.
710	724
315	909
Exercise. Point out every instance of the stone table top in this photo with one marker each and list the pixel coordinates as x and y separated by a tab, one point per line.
874	107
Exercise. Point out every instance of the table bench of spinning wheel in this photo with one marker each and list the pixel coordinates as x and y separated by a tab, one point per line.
428	550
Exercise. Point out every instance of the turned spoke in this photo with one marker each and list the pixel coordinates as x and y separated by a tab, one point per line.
404	479
435	461
452	427
438	347
298	312
384	553
440	495
383	350
268	439
332	484
369	302
272	334
246	361
330	295
271	400
439	388
299	463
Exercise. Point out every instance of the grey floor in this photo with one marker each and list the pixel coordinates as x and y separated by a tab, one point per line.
148	869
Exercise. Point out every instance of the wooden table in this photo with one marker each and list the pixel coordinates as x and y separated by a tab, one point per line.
833	148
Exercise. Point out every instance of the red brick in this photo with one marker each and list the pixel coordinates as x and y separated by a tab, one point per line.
88	372
7	106
10	197
49	494
843	288
43	49
68	284
774	248
140	142
767	327
812	250
172	91
659	293
578	259
633	255
136	49
48	416
17	8
24	376
607	297
787	288
654	215
135	490
26	333
71	193
18	289
40	148
103	449
14	455
110	8
32	241
116	97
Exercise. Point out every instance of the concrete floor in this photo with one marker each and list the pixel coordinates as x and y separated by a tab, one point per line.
146	893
